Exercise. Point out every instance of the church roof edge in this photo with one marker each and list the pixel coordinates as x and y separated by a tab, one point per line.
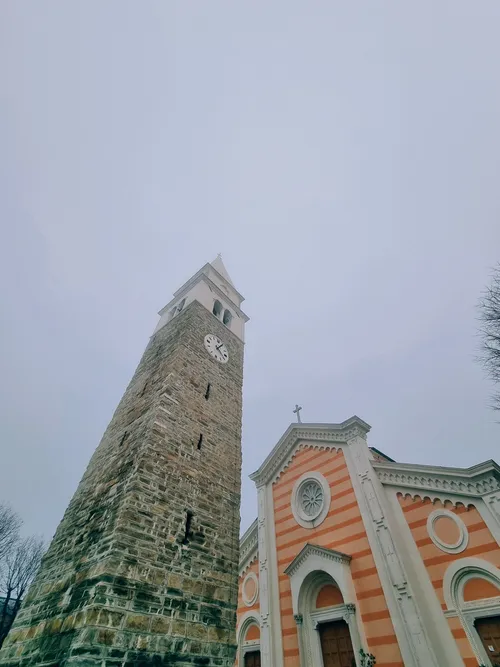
218	265
479	468
249	543
478	480
202	274
312	431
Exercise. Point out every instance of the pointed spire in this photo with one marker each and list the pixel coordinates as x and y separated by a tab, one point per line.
218	265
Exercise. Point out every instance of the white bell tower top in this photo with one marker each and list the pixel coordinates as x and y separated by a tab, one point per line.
213	288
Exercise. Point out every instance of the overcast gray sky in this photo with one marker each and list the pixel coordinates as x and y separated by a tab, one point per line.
343	156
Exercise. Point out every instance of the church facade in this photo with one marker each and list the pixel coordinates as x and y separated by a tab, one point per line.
353	551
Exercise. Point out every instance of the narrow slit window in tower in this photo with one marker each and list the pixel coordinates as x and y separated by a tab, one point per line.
200	441
124	437
207	393
187	529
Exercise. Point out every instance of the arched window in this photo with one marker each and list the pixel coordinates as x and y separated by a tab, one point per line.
217	309
227	317
181	305
470	586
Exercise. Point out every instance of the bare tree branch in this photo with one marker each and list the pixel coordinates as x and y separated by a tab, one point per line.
20	566
489	316
10	523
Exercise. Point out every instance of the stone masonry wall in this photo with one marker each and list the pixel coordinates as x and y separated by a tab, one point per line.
122	582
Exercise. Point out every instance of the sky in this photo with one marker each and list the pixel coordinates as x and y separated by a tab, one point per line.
343	157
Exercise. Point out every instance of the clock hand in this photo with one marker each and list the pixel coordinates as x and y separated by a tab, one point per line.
218	347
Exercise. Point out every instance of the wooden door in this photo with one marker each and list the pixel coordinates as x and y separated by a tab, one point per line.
252	659
489	631
336	644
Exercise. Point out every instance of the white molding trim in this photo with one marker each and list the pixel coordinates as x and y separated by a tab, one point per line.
298	512
275	609
475	481
249	547
326	436
265	624
202	274
489	509
463	537
270	629
461	571
456	576
249	602
309	550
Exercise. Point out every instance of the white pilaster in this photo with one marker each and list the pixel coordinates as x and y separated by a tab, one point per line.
410	632
270	638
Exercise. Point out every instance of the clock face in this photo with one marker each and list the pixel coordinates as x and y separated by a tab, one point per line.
216	348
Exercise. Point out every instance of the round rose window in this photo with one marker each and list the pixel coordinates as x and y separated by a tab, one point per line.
310	499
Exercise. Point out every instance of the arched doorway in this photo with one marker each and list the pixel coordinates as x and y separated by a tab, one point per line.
326	635
248	636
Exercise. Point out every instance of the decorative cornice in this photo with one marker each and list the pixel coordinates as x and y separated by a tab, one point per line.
476	481
315	550
325	436
202	274
249	547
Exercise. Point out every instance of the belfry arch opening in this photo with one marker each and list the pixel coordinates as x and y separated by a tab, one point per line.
217	309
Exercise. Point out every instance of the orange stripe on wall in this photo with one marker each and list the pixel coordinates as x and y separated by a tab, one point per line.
416	505
426	541
382	641
338	510
326	454
287	486
375	616
374	592
332	545
459	633
364	573
482	548
341	524
289	631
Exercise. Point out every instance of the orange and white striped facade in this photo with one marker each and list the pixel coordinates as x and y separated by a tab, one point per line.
407	555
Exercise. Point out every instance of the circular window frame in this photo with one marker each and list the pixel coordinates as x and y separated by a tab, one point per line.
300	516
249	602
463	538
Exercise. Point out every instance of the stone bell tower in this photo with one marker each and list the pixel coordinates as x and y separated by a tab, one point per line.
143	568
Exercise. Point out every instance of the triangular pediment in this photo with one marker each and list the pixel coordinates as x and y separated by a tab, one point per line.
311	550
325	435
